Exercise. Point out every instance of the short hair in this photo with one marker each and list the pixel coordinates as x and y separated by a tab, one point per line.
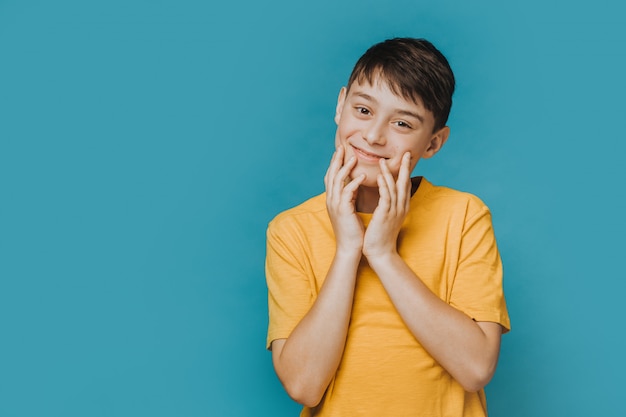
413	69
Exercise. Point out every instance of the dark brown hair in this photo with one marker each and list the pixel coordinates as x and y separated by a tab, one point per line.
413	69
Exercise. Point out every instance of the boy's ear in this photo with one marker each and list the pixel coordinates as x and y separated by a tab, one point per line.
436	142
340	100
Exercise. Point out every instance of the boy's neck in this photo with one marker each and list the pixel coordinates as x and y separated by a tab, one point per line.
367	199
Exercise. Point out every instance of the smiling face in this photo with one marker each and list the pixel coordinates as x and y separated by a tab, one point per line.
374	123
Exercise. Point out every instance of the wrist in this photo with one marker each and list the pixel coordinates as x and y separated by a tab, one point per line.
381	258
349	253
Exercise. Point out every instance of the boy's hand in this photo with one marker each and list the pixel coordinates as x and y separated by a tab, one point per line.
340	203
381	237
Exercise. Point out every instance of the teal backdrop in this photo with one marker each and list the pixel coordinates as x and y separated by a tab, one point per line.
145	145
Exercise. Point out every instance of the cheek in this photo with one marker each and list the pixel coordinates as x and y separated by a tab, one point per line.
345	130
339	142
395	169
394	166
337	139
342	140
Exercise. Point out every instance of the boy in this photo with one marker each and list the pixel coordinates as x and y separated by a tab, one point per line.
385	292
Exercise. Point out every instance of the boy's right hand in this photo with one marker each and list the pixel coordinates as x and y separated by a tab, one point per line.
341	195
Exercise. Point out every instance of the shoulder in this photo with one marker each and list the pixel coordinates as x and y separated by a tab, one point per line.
444	205
302	214
449	199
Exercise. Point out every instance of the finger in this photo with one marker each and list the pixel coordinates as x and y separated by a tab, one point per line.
403	184
337	182
333	185
350	190
344	173
389	182
384	196
334	166
327	174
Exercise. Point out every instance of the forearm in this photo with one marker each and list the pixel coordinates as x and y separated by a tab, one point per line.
466	349
307	360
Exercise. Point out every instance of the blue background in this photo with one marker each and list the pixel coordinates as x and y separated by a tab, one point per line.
144	146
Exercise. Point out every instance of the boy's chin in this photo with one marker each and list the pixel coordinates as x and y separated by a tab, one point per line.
370	177
370	180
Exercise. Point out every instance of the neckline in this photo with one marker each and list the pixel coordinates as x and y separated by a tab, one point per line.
418	188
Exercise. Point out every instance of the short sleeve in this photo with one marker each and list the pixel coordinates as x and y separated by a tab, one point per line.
287	273
477	288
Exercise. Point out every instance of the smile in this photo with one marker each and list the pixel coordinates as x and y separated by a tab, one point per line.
366	156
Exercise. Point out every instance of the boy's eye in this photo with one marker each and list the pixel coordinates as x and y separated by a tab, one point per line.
362	110
402	123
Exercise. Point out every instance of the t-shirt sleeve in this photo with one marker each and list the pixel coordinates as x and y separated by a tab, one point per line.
477	288
287	273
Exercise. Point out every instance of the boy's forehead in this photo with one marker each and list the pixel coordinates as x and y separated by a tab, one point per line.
379	82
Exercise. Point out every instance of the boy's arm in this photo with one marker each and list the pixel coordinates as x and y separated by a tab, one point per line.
307	360
468	350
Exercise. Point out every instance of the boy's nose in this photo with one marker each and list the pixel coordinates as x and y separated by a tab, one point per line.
374	134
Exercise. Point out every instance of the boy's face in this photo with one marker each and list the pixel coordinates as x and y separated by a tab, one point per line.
373	123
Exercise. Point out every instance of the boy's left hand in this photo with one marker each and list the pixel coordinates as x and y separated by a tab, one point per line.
381	236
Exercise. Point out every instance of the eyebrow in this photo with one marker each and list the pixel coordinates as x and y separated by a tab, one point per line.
399	111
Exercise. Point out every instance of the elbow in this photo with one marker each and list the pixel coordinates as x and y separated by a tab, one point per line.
303	394
477	378
474	385
302	385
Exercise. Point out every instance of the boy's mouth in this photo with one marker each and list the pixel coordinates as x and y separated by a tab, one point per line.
365	155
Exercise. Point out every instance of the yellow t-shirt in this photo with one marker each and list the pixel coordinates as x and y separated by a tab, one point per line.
447	240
